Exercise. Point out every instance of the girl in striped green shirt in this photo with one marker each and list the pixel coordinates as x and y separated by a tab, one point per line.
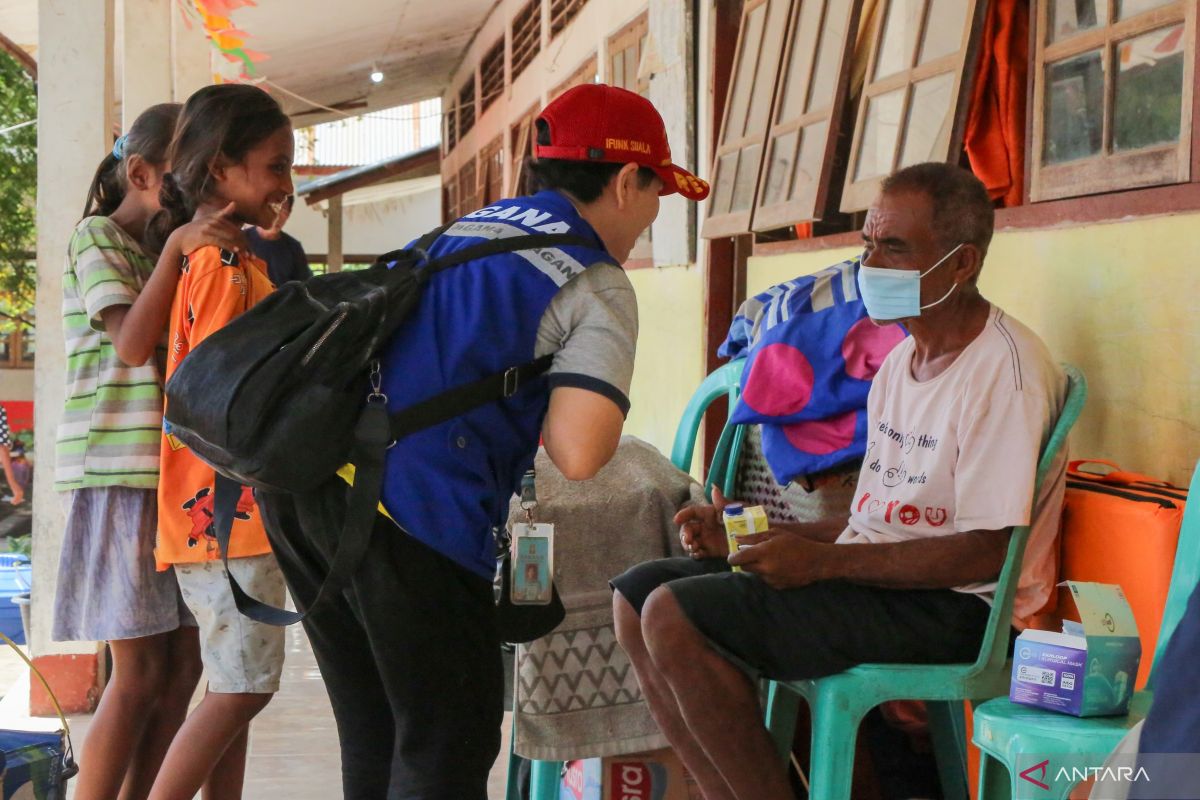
116	300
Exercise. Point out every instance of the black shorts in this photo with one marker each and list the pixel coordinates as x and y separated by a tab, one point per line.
816	630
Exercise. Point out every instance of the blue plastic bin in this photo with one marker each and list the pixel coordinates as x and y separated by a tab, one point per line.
14	580
34	765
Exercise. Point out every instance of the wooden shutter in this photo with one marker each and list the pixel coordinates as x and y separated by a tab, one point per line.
561	14
491	75
814	83
526	36
491	160
914	100
1106	83
738	158
521	136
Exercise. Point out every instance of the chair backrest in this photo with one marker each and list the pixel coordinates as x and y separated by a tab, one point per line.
1186	572
993	653
724	381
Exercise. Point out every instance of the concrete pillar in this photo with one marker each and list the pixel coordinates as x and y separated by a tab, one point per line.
191	56
334	256
75	101
146	77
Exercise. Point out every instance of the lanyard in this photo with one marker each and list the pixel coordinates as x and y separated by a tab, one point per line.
529	494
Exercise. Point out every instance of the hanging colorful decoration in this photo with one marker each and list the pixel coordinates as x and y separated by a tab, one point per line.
228	40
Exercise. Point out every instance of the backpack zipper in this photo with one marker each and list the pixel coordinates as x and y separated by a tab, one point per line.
333	326
1162	502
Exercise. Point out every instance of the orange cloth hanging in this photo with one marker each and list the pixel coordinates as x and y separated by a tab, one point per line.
995	137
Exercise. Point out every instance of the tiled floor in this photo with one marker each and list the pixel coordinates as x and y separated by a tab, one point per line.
293	743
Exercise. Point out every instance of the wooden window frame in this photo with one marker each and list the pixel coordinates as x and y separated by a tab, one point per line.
632	34
858	194
468	100
525	33
788	211
468	186
586	69
731	223
520	136
491	75
1108	171
450	139
16	350
562	12
450	198
491	160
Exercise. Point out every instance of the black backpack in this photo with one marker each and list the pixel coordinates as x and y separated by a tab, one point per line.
300	367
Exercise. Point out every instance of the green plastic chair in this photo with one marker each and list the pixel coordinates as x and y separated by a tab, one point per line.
1004	731
839	702
725	381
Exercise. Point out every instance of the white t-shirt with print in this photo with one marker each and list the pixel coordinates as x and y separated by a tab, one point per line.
959	452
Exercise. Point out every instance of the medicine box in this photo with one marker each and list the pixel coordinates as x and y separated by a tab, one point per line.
1088	669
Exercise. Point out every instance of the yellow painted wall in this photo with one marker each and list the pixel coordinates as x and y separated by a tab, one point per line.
670	359
1118	300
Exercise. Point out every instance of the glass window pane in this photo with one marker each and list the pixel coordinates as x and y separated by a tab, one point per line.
722	184
618	71
764	82
631	67
899	37
1069	17
747	176
743	76
809	162
1149	92
880	133
6	348
779	168
28	345
944	33
1131	8
828	64
929	118
1074	109
795	79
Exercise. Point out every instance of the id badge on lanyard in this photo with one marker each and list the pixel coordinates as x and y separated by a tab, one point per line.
531	581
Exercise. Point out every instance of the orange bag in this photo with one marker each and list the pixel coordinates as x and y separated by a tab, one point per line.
1122	527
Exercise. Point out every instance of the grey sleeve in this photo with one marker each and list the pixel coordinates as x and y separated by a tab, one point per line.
591	327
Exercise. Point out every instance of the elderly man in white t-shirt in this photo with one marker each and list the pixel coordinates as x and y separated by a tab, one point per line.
957	417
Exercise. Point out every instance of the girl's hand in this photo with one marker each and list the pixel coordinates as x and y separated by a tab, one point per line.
219	230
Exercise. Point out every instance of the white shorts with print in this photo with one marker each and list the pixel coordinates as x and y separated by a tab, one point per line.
240	656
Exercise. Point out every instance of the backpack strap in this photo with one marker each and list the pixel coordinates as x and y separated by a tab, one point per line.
375	433
457	401
371	436
509	244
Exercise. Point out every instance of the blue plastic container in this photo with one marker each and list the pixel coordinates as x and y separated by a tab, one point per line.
35	765
14	580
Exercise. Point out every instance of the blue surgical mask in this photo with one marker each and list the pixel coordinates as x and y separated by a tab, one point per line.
896	293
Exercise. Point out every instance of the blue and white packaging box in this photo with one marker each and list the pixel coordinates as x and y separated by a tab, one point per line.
1088	669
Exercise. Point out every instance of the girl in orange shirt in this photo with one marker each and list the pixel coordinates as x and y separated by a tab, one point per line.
234	146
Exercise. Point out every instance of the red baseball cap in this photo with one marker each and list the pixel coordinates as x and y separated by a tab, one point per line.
597	122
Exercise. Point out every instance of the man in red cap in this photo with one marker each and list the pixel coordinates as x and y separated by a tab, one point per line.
410	652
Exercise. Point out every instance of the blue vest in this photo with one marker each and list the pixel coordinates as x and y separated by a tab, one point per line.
448	485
